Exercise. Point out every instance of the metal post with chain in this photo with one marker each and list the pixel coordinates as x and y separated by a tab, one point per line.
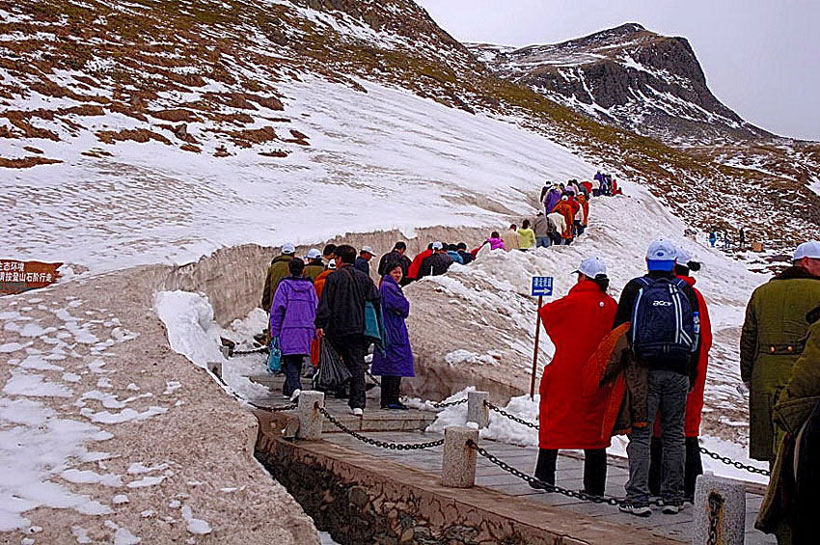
715	504
376	442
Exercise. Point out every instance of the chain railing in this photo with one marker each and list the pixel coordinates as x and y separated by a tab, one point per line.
715	503
445	404
260	350
512	417
734	463
543	485
376	442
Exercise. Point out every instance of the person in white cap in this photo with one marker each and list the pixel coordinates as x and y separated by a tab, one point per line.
276	272
363	261
568	418
772	339
315	265
436	264
663	336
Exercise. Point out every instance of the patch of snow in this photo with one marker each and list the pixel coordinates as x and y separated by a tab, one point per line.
194	525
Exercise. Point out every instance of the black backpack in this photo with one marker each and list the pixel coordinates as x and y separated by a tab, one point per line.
664	324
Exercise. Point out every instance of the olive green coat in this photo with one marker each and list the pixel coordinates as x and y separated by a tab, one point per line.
794	405
770	343
276	272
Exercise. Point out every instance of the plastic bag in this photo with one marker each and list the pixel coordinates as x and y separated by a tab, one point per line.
275	357
332	374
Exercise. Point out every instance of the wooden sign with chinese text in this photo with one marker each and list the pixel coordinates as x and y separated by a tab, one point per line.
19	276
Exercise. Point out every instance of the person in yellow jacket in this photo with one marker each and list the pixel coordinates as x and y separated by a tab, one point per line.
526	236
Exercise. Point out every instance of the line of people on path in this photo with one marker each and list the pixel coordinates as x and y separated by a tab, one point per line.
643	363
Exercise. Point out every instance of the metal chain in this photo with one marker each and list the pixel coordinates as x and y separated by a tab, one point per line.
376	442
443	404
260	350
271	409
734	463
512	417
537	483
715	503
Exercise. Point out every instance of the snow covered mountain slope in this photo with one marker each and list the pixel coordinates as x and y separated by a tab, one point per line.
627	77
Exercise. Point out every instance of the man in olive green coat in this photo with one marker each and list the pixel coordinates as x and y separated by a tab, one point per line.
276	272
792	503
772	340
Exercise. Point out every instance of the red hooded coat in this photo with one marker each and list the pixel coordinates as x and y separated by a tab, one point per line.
694	402
565	209
415	266
576	324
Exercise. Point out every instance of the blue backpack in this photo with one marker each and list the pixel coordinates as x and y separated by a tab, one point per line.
664	324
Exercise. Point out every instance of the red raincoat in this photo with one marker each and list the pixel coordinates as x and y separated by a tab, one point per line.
576	324
694	401
415	266
565	209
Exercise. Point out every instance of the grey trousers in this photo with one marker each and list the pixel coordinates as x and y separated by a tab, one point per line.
667	394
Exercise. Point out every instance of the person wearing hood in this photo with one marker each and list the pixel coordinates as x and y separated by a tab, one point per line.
694	400
772	340
363	261
541	230
292	317
397	360
276	272
564	208
437	264
551	199
512	240
415	266
527	236
315	266
452	251
569	417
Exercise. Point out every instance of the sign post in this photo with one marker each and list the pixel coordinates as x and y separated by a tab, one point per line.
19	276
541	286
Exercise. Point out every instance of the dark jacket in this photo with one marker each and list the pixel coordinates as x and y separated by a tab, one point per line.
626	306
466	256
277	271
435	265
341	307
390	259
363	265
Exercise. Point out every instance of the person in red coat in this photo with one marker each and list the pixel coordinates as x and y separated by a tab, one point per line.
415	266
569	417
694	400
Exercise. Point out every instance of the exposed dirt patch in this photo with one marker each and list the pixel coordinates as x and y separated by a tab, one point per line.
135	135
27	162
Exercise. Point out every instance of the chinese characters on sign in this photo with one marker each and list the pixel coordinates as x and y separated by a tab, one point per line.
541	286
20	276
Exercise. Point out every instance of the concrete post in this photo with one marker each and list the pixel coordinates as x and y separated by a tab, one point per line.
729	504
477	410
310	419
458	467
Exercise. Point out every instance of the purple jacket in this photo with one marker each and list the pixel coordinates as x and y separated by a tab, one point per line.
292	315
398	358
552	198
496	243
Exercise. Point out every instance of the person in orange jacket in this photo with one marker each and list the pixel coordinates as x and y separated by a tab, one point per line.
565	209
568	418
694	400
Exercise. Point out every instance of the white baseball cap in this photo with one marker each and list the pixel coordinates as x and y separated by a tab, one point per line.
438	245
661	250
314	254
368	249
331	264
683	256
288	249
591	267
810	249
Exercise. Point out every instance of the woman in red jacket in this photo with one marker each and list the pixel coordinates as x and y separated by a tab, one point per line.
569	418
694	401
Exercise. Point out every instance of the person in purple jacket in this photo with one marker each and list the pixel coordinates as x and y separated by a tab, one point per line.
292	316
397	360
551	199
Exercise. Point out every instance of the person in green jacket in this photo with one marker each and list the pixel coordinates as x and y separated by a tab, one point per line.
276	272
771	341
789	509
315	265
526	236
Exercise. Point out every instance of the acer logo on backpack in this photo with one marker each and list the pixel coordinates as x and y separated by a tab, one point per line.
662	303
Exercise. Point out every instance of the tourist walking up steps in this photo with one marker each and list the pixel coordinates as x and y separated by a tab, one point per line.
397	254
363	261
772	340
694	401
437	263
315	266
663	313
341	319
526	236
276	272
397	360
568	418
292	317
415	265
512	240
541	229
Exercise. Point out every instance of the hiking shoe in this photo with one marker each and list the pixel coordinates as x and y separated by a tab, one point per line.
357	411
637	509
295	396
672	507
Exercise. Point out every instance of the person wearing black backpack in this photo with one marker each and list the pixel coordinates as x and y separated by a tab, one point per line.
664	338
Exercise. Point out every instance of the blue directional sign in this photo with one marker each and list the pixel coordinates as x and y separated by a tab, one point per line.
541	286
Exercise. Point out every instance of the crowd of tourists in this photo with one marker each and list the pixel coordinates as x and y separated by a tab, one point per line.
643	363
